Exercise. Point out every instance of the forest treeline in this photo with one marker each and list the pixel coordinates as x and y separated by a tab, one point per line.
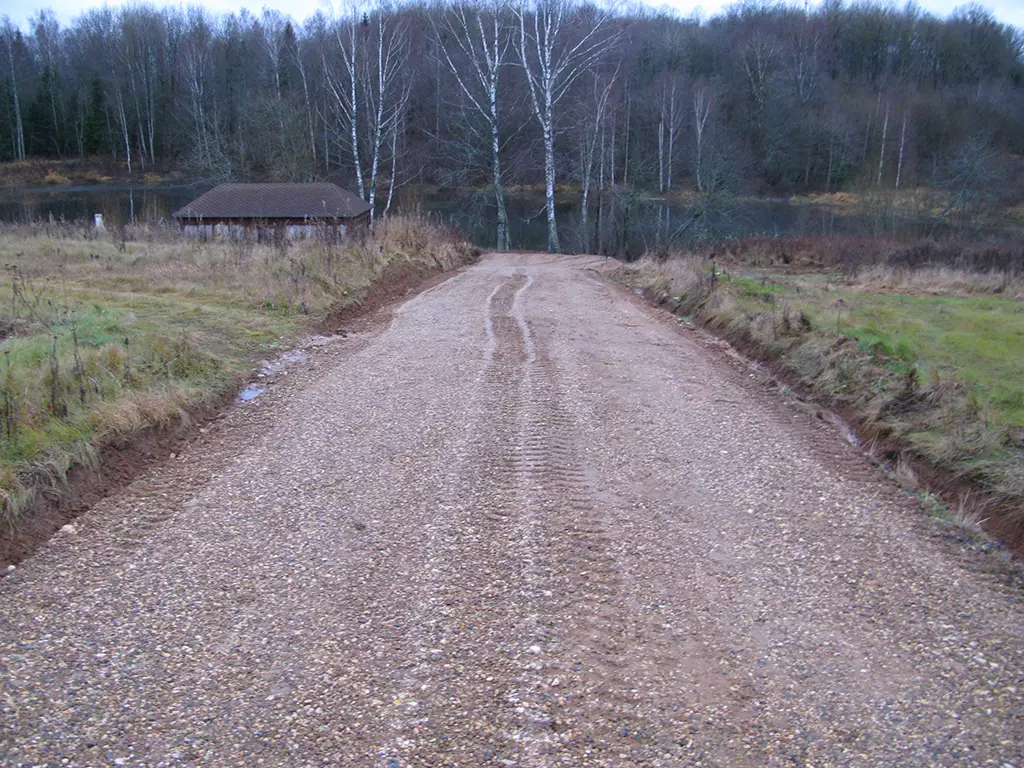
766	98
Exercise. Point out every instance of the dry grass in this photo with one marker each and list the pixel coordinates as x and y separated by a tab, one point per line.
112	333
939	281
54	179
38	171
850	255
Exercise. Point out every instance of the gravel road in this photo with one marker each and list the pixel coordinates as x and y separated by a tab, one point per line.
523	520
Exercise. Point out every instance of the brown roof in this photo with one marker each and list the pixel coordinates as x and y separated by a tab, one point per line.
275	201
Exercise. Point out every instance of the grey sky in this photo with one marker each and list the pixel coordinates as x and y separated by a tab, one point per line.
1008	11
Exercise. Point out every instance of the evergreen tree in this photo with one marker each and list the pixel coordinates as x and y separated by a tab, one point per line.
42	123
94	130
6	121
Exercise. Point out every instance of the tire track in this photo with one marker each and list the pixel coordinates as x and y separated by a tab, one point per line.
452	698
578	698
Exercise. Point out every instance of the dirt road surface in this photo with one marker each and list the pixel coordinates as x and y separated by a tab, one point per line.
523	521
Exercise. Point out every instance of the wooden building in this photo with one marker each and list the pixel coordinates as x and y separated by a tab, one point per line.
273	212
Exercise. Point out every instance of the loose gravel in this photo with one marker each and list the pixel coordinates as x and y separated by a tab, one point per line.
521	521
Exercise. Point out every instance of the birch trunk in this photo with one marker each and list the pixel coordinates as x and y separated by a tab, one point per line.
590	146
625	139
504	241
151	118
611	168
378	123
881	151
19	129
903	144
309	109
701	110
661	149
394	165
673	127
388	94
351	62
346	95
124	128
549	175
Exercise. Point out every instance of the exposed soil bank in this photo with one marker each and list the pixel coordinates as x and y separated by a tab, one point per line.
123	460
119	463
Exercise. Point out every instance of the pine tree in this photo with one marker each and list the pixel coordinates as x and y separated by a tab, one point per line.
94	130
42	127
6	121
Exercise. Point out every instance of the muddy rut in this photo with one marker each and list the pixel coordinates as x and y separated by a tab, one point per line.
522	521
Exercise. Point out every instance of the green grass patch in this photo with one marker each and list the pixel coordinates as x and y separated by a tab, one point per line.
978	341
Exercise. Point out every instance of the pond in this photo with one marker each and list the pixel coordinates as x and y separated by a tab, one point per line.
622	222
118	204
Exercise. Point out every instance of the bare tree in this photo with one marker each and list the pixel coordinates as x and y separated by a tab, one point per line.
972	181
903	146
758	59
447	93
555	48
274	26
140	32
881	151
593	131
300	65
387	90
701	112
670	121
345	90
483	38
197	63
10	37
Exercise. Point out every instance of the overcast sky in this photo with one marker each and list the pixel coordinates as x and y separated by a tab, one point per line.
1008	11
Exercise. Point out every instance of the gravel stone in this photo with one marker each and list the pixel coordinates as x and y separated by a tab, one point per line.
524	520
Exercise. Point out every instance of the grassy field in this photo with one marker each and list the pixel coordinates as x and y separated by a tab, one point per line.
931	359
104	336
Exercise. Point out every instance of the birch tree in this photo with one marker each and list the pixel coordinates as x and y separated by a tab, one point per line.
387	91
757	58
344	88
591	138
881	150
701	112
11	37
197	64
482	37
140	32
903	146
556	47
670	120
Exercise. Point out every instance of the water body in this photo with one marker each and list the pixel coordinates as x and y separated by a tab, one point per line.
119	204
630	223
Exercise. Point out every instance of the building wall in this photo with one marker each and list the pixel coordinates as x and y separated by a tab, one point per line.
262	231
